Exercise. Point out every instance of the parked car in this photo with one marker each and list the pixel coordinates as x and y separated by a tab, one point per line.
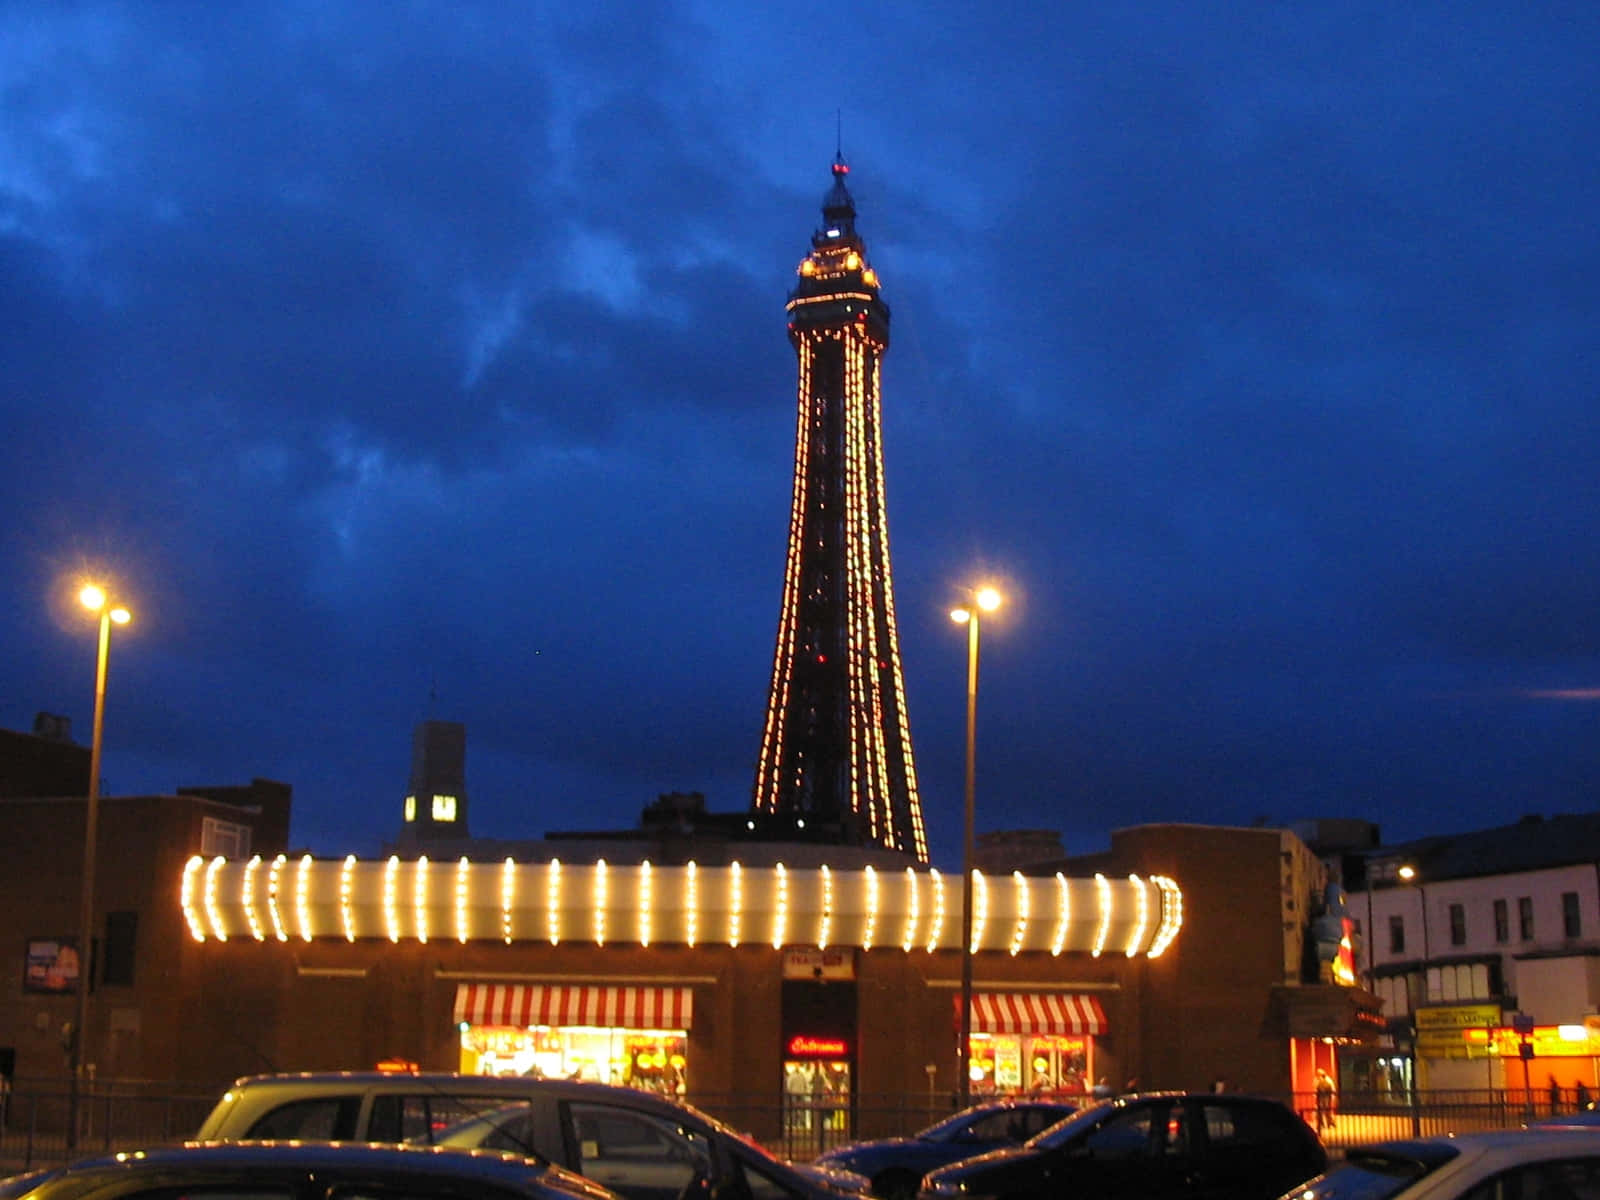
1551	1163
1587	1117
297	1171
1200	1146
638	1144
896	1165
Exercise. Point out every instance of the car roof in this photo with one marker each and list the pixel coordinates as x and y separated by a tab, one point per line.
1558	1137
484	1164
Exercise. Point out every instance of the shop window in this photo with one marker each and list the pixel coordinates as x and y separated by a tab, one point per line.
1502	922
1458	924
1525	918
1571	920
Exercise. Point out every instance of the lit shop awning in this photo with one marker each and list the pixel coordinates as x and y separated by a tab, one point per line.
522	1005
1071	1014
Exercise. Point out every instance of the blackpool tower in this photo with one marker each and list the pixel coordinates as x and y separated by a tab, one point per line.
836	746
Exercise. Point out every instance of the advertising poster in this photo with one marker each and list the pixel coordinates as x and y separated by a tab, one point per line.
52	966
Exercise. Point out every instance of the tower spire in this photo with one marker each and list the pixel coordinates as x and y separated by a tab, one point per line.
836	747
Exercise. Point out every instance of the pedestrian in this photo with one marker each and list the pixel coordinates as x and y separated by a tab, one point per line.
1581	1093
1555	1095
1324	1087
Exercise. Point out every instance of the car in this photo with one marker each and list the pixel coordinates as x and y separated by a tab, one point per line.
640	1145
300	1170
1547	1163
896	1165
1587	1117
1151	1145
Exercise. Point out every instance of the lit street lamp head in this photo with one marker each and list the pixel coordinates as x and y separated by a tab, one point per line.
93	597
985	598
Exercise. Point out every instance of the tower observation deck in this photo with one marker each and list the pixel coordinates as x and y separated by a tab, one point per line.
836	746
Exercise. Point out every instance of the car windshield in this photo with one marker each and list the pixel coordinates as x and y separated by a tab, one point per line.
1066	1131
1376	1172
948	1129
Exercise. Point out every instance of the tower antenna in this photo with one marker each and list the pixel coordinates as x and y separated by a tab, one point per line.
838	134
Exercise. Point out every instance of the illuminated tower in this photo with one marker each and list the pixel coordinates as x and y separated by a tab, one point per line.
836	748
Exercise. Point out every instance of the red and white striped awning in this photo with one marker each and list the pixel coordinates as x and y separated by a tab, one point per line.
522	1005
1035	1012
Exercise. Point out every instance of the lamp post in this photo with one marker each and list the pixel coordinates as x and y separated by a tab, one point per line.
986	599
1408	876
94	598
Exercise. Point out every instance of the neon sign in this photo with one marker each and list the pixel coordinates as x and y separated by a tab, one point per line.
802	1045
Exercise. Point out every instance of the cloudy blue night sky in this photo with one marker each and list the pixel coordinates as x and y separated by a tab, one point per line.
410	360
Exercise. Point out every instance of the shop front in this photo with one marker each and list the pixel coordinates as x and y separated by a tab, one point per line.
636	1034
1033	1043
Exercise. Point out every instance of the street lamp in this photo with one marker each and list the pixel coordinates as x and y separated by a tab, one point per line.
94	598
986	599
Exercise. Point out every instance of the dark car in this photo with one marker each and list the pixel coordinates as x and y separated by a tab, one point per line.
641	1145
896	1165
299	1170
1199	1146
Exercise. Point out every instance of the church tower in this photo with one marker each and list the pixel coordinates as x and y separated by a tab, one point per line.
836	747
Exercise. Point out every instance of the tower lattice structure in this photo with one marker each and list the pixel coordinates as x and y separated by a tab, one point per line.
836	747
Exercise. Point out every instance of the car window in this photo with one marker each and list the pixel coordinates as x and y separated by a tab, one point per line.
637	1154
996	1127
419	1117
1123	1135
764	1186
1557	1179
1249	1126
326	1118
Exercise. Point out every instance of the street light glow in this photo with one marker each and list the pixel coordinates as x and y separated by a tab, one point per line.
93	597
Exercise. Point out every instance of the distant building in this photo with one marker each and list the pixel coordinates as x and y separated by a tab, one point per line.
151	1017
435	807
1468	936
